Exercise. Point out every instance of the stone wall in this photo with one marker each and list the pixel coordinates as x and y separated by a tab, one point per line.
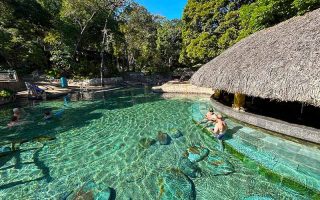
14	86
106	81
278	126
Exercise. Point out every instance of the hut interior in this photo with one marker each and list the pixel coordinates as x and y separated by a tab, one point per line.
292	112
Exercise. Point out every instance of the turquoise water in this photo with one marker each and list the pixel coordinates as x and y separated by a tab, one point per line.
98	139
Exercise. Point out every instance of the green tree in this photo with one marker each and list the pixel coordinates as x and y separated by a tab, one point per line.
140	33
169	43
210	26
22	26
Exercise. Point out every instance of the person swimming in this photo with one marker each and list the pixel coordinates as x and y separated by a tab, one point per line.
17	113
13	122
47	115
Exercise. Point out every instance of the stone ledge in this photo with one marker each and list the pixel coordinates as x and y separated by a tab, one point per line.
184	88
278	126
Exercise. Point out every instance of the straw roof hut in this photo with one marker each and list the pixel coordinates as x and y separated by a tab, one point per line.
281	63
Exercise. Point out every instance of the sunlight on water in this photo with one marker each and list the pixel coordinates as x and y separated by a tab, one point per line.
99	139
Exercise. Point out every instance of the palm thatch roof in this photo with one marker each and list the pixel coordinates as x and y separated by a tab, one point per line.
281	62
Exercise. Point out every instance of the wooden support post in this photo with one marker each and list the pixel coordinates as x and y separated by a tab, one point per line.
239	101
216	94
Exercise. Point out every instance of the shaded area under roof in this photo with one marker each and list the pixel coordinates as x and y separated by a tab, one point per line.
281	63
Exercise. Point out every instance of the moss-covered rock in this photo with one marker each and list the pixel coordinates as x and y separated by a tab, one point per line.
145	143
217	165
175	133
163	138
197	153
189	168
173	184
91	191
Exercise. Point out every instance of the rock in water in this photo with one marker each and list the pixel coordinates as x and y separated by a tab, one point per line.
255	197
146	142
197	153
189	168
91	191
163	138
175	133
175	185
218	165
44	138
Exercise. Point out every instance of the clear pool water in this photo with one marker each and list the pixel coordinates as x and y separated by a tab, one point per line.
98	139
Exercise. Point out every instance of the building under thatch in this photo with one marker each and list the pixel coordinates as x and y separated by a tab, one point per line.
281	63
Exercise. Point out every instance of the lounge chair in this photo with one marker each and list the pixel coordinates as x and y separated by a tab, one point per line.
34	92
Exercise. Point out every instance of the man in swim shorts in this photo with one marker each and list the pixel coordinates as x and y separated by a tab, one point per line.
220	127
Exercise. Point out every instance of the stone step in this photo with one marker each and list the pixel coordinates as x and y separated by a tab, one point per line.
287	158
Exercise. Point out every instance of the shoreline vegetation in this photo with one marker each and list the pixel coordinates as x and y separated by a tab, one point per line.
66	38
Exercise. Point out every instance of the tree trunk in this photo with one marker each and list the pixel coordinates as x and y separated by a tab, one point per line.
83	29
102	64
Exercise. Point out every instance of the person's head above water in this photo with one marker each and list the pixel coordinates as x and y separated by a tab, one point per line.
16	111
211	110
217	116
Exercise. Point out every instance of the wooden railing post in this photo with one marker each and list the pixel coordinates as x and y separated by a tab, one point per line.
239	101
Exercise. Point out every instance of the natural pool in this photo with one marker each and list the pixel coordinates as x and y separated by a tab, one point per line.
98	140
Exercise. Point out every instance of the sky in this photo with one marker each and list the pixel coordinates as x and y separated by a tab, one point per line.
171	9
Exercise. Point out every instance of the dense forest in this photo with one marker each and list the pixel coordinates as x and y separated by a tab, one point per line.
85	37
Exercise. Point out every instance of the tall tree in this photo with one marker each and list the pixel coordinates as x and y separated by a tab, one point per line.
169	43
209	28
140	32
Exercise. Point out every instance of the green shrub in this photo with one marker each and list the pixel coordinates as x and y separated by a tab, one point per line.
6	93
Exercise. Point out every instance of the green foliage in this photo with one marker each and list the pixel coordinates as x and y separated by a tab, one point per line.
304	6
66	36
6	93
209	28
169	43
212	26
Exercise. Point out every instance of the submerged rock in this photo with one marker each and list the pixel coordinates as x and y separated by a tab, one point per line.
218	165
197	153
163	138
91	191
44	138
146	142
256	197
175	133
189	168
173	184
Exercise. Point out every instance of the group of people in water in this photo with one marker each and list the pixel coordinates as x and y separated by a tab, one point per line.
47	114
16	118
220	126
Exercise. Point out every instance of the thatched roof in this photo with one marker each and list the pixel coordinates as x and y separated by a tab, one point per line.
281	62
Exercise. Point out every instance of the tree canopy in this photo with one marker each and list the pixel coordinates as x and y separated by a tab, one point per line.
212	26
90	37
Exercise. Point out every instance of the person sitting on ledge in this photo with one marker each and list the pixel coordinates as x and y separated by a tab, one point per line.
220	127
208	117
